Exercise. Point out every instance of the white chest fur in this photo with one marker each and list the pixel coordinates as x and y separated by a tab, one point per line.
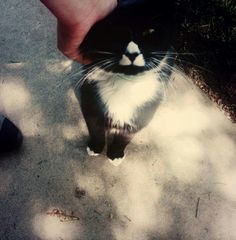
123	94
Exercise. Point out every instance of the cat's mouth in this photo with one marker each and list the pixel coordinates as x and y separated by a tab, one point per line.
128	70
132	61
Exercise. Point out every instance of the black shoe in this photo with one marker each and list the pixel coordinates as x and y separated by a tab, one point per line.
10	136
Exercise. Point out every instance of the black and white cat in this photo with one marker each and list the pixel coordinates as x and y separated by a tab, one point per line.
122	88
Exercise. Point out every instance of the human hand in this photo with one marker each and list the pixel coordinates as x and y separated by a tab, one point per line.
75	18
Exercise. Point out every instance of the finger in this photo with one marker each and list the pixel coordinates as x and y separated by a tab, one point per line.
69	39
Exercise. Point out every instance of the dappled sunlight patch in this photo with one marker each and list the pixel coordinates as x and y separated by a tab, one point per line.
14	96
194	146
188	130
52	227
226	223
222	151
91	183
227	185
184	157
59	66
184	115
15	65
16	102
181	120
32	125
129	232
137	201
187	111
70	132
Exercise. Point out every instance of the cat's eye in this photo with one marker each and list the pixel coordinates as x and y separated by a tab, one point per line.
148	32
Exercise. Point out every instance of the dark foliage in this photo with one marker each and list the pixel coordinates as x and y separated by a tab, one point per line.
208	30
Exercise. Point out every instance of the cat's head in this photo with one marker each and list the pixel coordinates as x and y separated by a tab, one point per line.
133	38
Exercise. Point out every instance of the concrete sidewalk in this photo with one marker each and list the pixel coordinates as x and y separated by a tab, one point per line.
179	177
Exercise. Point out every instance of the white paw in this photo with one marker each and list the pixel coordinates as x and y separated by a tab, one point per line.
117	161
91	153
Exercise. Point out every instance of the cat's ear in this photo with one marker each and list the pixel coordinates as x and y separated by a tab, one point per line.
148	32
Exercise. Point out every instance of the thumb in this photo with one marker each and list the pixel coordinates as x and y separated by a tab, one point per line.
69	39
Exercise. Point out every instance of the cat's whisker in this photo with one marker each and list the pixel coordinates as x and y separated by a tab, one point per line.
67	77
176	69
176	57
195	65
124	88
102	65
81	81
150	66
85	68
97	64
164	76
187	62
165	88
166	65
163	82
89	71
104	52
78	72
99	52
175	53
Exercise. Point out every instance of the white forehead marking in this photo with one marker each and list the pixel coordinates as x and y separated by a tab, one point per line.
132	48
139	61
125	61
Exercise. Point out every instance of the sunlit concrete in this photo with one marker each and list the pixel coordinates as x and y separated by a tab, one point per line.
47	226
177	181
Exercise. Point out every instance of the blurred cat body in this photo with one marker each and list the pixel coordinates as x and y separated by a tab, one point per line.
122	88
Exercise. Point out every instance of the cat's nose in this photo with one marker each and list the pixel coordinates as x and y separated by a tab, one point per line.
132	48
132	56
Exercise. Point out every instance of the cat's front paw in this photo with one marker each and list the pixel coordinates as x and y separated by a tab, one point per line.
115	158
91	152
116	161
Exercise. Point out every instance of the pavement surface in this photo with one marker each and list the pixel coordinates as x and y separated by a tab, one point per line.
179	177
